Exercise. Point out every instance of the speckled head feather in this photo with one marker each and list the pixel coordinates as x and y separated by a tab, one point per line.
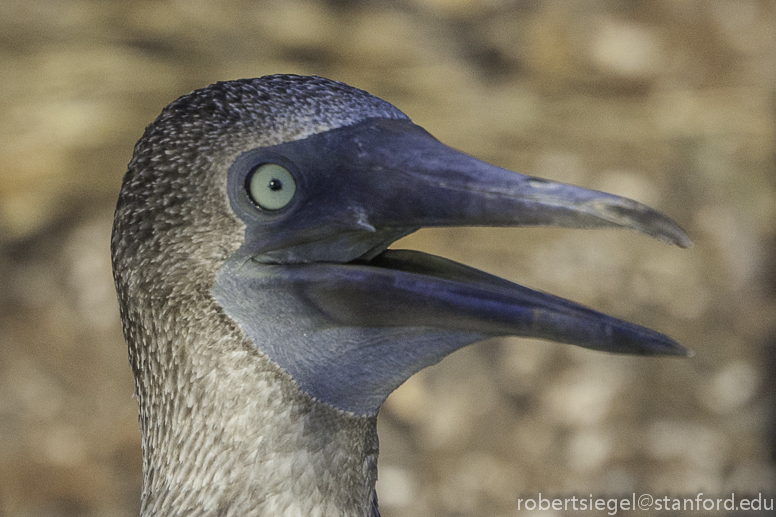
176	161
278	108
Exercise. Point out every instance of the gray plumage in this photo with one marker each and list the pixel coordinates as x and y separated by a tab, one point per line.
212	408
247	402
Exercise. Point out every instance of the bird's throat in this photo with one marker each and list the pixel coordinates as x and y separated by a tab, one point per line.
224	427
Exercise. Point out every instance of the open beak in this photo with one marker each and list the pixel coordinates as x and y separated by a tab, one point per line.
381	315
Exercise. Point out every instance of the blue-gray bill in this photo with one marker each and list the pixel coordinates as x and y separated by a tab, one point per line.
352	320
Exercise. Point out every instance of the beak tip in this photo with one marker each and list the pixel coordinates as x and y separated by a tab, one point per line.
682	240
677	350
667	230
670	233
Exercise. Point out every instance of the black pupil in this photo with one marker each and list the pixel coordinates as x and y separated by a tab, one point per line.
275	184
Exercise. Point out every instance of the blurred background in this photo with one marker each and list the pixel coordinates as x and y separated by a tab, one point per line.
672	103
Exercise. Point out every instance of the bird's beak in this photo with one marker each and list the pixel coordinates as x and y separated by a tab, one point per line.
394	312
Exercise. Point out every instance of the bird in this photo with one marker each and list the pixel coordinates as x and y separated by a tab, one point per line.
265	316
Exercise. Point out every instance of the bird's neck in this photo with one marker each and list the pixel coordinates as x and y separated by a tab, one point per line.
226	432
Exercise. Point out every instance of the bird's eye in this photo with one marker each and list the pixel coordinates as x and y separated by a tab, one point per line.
271	186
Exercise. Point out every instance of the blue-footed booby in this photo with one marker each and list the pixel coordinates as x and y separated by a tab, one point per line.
265	316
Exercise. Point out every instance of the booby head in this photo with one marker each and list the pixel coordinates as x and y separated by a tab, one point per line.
252	233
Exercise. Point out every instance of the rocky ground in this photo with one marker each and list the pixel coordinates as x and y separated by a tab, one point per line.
672	103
